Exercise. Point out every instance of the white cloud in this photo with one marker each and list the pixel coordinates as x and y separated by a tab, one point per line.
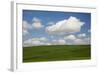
88	40
43	39
40	39
28	41
82	35
58	42
70	37
61	41
69	40
48	43
32	42
36	41
73	40
25	32
79	42
84	41
36	23
70	25
26	26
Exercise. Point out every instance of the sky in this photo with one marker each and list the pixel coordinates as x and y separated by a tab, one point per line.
55	28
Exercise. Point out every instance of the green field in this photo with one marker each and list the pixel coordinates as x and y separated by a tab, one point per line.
56	53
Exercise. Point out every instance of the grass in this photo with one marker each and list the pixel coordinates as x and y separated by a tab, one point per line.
56	53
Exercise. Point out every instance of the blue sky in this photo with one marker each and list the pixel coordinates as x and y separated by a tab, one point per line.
39	21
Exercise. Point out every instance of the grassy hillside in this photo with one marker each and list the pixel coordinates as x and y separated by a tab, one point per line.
56	53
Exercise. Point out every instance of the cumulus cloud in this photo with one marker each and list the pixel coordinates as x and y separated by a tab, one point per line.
27	43
79	42
43	39
40	39
85	41
61	41
82	35
58	42
36	41
48	43
36	23
30	42
25	32
74	40
70	37
26	26
70	25
88	40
